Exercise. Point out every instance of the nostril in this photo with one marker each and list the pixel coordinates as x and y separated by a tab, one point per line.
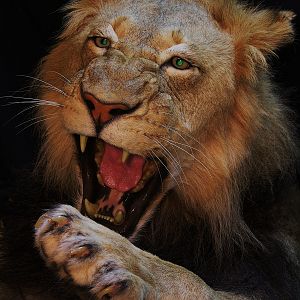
118	111
90	105
122	111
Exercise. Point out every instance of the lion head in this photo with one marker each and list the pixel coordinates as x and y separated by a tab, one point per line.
164	104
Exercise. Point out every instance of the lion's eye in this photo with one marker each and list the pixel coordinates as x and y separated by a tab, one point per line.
102	42
180	63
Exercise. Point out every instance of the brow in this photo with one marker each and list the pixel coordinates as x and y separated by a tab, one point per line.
106	31
182	48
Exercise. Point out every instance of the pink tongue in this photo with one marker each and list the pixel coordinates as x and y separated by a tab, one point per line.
118	175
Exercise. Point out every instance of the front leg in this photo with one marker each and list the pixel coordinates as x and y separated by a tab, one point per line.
106	263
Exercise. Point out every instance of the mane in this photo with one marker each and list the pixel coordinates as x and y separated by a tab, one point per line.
250	145
253	146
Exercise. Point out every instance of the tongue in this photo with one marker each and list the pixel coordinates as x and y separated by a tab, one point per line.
118	175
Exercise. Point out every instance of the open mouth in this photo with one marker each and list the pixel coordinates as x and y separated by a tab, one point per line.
118	187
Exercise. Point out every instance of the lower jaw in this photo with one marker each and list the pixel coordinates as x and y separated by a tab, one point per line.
136	204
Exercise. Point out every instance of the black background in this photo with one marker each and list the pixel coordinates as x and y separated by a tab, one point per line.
28	29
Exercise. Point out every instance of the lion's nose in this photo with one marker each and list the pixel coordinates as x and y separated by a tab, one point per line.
104	112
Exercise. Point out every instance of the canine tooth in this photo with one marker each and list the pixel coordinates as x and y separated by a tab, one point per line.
119	217
90	208
149	171
100	181
83	142
125	156
140	185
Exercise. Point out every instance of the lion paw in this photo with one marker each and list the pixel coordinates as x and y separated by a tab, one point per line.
91	255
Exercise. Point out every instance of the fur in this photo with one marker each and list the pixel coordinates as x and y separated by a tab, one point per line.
232	183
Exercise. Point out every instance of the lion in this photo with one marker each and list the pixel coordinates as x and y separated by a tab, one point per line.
167	163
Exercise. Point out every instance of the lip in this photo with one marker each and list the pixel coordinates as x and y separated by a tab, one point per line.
135	203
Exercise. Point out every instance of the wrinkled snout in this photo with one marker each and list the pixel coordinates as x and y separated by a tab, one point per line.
115	79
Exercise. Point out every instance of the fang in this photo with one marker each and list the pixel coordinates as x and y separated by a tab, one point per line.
119	217
83	142
90	208
125	156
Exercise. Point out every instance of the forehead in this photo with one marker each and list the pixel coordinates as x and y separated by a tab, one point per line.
148	21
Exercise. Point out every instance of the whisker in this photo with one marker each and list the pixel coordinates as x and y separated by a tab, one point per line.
160	176
34	123
177	132
38	103
19	113
27	89
201	163
166	169
184	139
181	144
66	80
189	136
35	118
30	100
176	162
180	131
45	82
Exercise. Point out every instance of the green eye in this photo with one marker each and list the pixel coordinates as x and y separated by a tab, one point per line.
102	42
180	63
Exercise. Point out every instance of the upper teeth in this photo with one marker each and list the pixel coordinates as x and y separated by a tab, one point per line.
91	208
125	156
83	142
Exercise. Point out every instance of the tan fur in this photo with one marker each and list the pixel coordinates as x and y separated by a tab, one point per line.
225	111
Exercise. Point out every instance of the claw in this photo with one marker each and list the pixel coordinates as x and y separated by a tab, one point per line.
80	252
107	292
41	221
60	221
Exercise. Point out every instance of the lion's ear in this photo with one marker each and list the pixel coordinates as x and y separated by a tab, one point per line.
267	30
257	36
256	33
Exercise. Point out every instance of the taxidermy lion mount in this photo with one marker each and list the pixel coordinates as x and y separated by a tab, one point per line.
167	164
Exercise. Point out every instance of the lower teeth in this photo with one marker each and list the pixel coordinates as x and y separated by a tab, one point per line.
107	218
117	220
93	209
